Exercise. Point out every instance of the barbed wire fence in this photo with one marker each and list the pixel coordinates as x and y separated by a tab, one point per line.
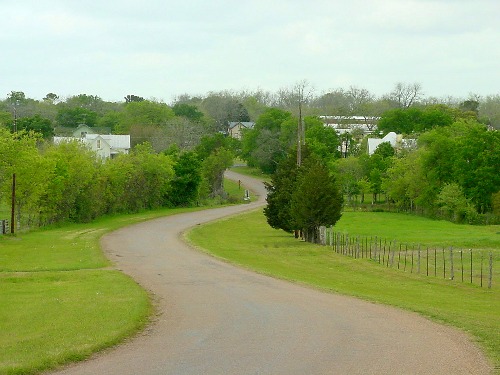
465	265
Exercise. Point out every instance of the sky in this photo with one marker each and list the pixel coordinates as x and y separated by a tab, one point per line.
160	49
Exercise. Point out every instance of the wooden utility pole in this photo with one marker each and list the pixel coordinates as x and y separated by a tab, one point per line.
299	135
13	212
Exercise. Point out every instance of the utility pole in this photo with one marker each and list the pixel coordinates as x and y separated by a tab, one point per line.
13	212
299	135
302	97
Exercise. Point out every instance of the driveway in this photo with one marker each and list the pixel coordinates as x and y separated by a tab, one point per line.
214	318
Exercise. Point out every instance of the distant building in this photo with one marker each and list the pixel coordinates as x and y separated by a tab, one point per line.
107	146
345	124
234	128
396	141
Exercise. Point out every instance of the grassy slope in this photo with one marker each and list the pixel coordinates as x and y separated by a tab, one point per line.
59	302
247	240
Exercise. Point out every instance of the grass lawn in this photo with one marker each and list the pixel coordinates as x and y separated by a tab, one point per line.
248	241
59	299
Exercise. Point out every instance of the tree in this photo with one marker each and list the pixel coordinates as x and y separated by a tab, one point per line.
181	131
223	108
360	99
144	113
16	97
321	140
336	102
489	109
414	120
317	200
188	111
186	182
91	102
214	167
454	205
378	165
268	142
51	98
350	172
73	117
36	124
133	98
295	100
278	211
406	94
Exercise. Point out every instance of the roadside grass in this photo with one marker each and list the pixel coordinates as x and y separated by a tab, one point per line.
248	241
60	299
50	318
413	229
235	191
251	171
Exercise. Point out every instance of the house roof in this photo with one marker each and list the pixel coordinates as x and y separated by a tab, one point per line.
246	124
373	143
114	140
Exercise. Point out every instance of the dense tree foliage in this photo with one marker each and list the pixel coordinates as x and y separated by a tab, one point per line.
303	197
452	173
36	124
413	120
317	199
278	211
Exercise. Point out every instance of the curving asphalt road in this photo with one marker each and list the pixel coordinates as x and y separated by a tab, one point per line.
215	318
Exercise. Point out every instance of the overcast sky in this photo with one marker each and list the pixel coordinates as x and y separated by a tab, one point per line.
162	48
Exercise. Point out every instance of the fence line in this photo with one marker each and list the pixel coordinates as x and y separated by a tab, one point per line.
455	265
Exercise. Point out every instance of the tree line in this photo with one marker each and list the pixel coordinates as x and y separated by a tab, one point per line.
69	183
446	166
180	151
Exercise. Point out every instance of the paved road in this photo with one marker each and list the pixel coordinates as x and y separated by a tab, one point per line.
218	319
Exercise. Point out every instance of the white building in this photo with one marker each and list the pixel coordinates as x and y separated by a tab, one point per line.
396	141
107	146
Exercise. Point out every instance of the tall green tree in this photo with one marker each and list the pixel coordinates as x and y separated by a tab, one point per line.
185	185
213	168
73	117
317	199
278	210
268	142
37	124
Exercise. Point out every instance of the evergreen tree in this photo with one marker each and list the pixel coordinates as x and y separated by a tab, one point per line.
316	200
279	195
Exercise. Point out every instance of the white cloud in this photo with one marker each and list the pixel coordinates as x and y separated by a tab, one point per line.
161	49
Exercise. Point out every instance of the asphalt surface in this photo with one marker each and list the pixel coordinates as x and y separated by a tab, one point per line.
214	318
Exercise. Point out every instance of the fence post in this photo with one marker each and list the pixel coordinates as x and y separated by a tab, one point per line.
427	262
470	265
406	253
452	270
412	256
462	263
490	279
392	253
482	269
444	266
435	262
418	257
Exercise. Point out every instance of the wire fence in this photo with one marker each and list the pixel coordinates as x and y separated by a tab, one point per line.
465	265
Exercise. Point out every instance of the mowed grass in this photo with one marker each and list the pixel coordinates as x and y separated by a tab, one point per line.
49	318
248	241
411	229
60	299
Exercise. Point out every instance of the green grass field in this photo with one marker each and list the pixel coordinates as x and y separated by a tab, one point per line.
248	241
60	301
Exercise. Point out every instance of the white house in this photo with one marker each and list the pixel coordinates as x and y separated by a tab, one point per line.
234	129
107	146
396	141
